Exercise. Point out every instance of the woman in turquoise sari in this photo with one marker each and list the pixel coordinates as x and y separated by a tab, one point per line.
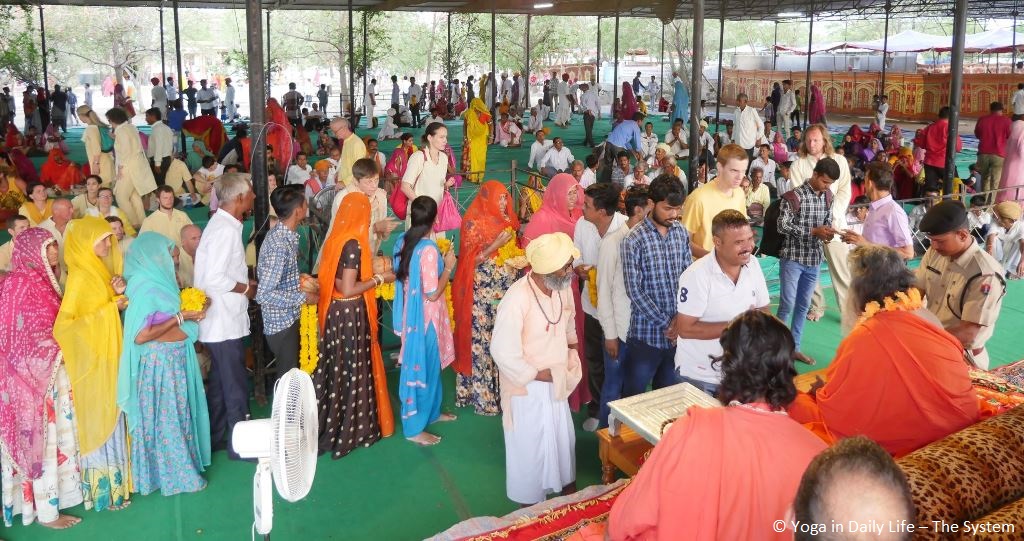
681	103
420	317
159	386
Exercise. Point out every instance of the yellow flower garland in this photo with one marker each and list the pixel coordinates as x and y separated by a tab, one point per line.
385	291
308	350
192	299
592	285
510	252
904	302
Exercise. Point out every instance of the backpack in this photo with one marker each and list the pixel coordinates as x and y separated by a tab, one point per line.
771	238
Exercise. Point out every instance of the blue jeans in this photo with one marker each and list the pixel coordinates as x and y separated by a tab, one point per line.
611	389
709	388
797	284
645	365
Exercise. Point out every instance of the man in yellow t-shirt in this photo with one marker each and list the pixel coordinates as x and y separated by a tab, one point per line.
167	220
352	149
720	193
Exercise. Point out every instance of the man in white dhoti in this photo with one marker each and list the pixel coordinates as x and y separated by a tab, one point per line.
369	101
159	95
534	345
563	111
229	100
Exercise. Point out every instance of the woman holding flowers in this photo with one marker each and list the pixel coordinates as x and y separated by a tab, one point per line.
159	385
421	319
488	227
351	386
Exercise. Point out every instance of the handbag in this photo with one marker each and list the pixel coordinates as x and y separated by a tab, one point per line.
448	217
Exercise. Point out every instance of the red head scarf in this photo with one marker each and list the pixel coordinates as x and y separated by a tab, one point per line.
554	214
352	222
483	222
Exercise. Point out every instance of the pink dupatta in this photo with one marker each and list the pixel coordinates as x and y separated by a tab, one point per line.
29	355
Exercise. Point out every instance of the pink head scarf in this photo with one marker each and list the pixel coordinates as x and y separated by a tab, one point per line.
29	355
554	215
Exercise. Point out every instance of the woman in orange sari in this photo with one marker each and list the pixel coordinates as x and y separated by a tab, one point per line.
479	283
58	171
898	378
351	386
279	135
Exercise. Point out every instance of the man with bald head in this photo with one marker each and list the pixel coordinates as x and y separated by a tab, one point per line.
58	224
854	483
190	235
352	149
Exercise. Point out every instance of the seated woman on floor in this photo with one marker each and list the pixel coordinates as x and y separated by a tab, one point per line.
898	377
729	472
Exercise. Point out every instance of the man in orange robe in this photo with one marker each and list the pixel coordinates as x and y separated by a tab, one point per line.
898	379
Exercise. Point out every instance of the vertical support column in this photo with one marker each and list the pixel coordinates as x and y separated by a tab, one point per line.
366	75
775	43
448	64
1013	57
807	85
163	61
696	84
956	66
721	44
257	113
885	45
526	72
493	79
351	72
661	67
615	71
181	81
270	68
42	35
597	74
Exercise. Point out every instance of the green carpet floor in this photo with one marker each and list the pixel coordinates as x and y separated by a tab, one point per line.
396	490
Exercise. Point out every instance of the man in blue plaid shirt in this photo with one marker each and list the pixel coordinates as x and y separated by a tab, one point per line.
805	219
654	255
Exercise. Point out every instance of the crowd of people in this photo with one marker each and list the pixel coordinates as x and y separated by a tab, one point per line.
617	275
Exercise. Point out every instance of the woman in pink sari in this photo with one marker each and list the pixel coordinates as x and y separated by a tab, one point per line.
16	144
780	152
817	106
399	160
1013	166
561	209
122	100
40	464
628	106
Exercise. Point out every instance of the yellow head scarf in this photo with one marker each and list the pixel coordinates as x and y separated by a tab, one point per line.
88	329
478	126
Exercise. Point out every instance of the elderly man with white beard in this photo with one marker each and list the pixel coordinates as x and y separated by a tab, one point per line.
535	346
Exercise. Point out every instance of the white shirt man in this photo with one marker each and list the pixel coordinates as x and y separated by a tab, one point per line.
416	91
538	151
710	295
563	110
648	142
556	158
677	143
161	142
172	91
298	174
506	88
589	101
881	111
766	165
370	100
159	95
1018	100
786	107
748	128
219	267
206	98
229	99
588	178
588	239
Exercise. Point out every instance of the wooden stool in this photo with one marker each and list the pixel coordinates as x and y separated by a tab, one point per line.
623	452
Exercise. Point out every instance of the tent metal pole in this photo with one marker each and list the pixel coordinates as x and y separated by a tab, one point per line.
615	72
885	45
257	115
807	84
351	71
696	84
526	72
1013	58
448	67
721	45
163	60
661	76
955	83
42	35
177	53
270	68
366	76
494	72
597	75
775	44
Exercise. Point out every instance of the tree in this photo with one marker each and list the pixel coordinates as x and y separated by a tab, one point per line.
20	59
119	39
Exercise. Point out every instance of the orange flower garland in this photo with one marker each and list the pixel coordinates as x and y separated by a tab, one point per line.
592	285
904	302
445	246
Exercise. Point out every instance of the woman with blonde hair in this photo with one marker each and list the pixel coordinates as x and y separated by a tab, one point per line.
133	176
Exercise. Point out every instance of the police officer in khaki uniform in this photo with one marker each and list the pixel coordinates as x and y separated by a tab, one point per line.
964	285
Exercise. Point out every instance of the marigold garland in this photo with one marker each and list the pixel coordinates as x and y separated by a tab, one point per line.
308	350
451	307
510	252
192	299
444	245
907	301
592	285
385	291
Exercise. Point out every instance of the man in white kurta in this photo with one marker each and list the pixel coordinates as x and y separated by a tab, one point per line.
534	345
369	101
563	111
159	95
229	99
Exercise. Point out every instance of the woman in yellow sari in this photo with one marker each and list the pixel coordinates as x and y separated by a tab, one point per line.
477	127
88	329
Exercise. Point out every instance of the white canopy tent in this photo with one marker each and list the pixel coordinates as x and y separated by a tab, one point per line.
910	41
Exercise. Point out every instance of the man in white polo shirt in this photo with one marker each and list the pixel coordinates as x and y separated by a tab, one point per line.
712	291
600	219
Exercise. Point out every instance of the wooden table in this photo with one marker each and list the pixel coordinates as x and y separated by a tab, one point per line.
624	451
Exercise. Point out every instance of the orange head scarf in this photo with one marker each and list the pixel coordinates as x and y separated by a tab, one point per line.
482	223
352	222
279	135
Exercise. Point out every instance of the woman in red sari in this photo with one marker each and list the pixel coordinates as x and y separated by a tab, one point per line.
898	378
279	135
59	171
123	101
16	146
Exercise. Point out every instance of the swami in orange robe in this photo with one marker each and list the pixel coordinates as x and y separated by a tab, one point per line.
897	379
718	473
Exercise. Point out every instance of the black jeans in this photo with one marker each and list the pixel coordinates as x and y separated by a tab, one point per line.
227	394
416	115
588	129
594	350
285	347
160	171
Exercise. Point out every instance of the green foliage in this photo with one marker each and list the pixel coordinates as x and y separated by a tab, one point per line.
20	56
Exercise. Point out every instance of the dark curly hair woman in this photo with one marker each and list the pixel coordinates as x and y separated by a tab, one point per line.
727	472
